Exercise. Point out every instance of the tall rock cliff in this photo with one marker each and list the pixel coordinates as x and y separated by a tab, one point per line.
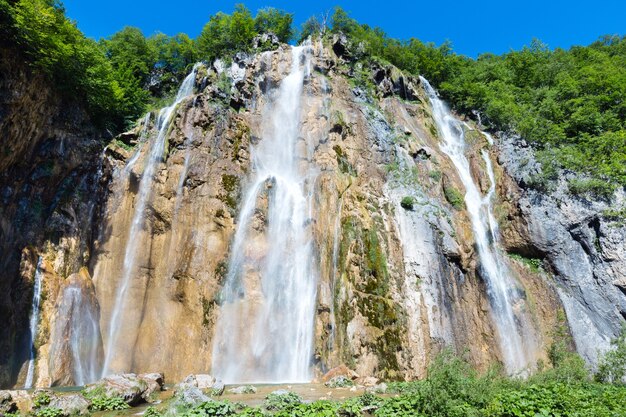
137	243
49	191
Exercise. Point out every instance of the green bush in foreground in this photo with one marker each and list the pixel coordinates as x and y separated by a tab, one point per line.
104	403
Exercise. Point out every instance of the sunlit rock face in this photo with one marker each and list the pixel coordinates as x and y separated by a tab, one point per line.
294	212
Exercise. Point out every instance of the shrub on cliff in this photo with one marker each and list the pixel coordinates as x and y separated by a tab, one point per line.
612	368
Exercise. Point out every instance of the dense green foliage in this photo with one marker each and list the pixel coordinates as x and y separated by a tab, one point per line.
570	104
106	403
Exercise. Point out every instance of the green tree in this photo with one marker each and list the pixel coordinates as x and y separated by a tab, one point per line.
276	21
310	28
214	40
130	49
241	30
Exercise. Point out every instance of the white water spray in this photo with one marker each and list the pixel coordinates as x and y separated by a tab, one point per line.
265	329
82	334
145	188
34	323
501	286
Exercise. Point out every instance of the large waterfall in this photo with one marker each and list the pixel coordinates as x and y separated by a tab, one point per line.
501	286
265	328
34	323
114	344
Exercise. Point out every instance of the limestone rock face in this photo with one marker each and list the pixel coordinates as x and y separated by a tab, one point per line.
49	194
140	268
582	246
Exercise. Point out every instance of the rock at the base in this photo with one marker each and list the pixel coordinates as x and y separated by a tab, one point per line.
218	387
190	395
155	381
204	382
21	398
244	389
71	404
341	370
367	381
378	388
7	405
132	388
339	381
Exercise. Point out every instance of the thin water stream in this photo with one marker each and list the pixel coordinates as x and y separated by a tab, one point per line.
501	286
153	159
34	323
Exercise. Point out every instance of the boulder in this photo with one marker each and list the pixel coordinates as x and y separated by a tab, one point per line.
7	405
367	381
71	404
190	395
134	389
243	389
340	381
341	370
203	382
21	398
155	381
378	388
218	387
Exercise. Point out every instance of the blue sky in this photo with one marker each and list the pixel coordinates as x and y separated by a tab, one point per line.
473	26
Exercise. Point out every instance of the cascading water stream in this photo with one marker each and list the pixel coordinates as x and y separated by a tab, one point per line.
145	188
82	335
34	323
335	271
265	329
501	286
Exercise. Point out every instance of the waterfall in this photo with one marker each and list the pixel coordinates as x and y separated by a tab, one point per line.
81	332
34	323
266	324
501	286
335	273
153	159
